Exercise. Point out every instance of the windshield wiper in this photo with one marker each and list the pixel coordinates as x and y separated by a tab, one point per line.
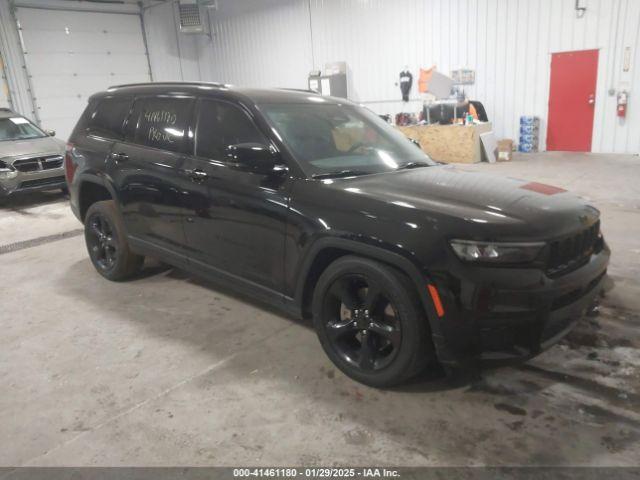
408	165
340	173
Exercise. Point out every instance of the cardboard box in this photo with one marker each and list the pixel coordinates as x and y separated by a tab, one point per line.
505	150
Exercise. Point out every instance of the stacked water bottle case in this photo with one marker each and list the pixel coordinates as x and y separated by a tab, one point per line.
529	134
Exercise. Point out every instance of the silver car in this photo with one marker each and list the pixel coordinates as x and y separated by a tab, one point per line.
30	158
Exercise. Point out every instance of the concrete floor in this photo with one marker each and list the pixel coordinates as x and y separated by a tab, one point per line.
169	370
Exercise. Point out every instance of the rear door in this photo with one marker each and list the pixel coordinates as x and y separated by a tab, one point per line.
236	221
145	169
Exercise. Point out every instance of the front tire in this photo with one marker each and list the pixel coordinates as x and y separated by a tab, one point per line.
370	322
107	244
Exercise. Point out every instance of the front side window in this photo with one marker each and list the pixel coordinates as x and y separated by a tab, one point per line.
18	128
108	117
221	124
331	138
160	122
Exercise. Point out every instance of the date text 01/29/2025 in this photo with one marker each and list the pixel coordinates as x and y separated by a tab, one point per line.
317	472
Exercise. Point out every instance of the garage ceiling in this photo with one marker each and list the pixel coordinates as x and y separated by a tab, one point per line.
72	54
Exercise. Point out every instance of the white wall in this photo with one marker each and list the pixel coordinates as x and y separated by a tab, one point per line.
508	43
173	56
271	46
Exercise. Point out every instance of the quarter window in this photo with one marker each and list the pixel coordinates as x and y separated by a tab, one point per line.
221	124
108	117
160	123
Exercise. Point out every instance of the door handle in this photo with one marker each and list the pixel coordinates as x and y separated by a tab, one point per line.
119	156
197	175
591	100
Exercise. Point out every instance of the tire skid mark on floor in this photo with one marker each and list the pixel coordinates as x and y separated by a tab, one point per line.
611	394
36	242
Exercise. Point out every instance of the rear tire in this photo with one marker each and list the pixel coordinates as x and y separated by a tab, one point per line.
370	322
107	244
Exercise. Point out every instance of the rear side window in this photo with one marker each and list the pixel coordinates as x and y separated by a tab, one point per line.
108	117
160	122
221	124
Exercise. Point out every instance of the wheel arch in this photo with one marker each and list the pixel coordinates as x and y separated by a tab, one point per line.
91	190
326	251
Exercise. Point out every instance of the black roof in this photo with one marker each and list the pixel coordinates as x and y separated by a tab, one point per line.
255	95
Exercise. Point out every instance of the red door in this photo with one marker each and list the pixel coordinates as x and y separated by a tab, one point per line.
572	94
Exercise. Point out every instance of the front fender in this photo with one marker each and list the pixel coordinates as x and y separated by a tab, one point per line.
419	277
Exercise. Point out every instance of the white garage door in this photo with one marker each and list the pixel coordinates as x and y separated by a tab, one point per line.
71	55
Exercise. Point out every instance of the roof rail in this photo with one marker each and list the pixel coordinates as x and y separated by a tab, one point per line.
303	90
214	84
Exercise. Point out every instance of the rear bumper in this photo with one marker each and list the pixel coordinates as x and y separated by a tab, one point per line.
498	316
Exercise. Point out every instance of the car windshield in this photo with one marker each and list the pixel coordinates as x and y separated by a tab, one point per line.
18	128
340	140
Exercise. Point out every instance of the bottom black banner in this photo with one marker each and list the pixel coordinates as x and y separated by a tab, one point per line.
220	473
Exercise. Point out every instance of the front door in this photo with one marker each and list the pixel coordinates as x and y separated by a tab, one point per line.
144	169
237	219
572	97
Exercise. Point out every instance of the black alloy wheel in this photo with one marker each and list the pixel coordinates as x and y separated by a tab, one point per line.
102	242
362	323
106	240
370	322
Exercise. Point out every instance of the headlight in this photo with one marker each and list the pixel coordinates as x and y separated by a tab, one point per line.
496	252
6	171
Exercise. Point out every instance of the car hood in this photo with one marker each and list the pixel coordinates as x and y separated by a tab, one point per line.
32	146
493	205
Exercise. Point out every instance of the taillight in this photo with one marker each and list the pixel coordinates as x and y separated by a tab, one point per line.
69	164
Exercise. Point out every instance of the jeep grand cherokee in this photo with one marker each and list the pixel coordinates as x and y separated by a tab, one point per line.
316	205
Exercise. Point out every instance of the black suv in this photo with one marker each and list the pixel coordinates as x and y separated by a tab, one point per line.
315	204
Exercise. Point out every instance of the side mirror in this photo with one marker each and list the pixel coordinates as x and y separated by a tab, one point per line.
51	133
254	157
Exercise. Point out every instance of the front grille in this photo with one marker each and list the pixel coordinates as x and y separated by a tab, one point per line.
27	165
571	252
39	182
38	163
52	162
